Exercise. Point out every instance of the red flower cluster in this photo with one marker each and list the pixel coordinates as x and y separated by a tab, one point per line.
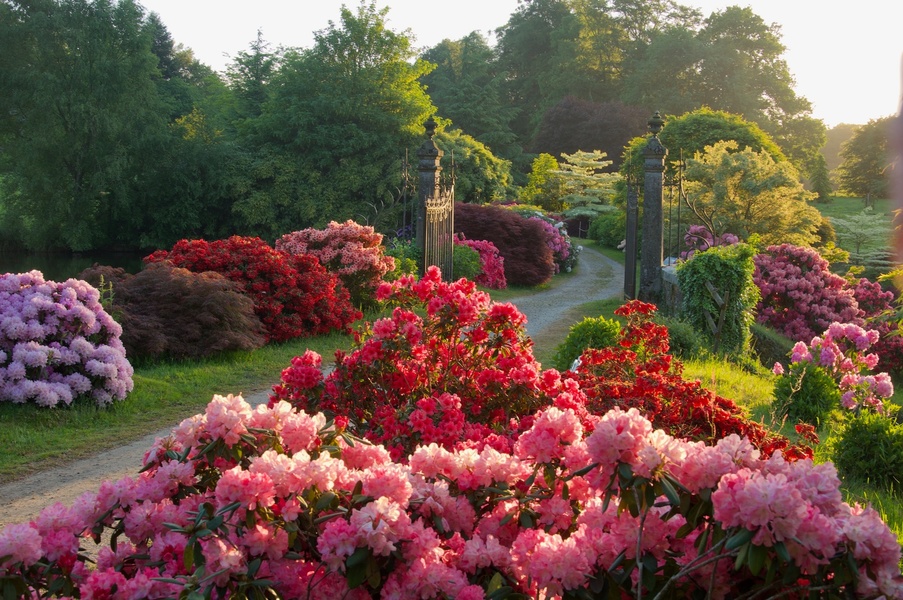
293	295
640	374
464	376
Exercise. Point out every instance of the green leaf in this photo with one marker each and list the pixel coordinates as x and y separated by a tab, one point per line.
325	501
359	557
757	557
738	539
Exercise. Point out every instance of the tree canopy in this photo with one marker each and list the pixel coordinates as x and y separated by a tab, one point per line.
865	160
744	192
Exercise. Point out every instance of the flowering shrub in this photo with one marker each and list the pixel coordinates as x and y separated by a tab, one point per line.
800	295
698	238
564	251
461	374
57	343
351	251
492	275
877	306
294	295
639	373
272	502
842	352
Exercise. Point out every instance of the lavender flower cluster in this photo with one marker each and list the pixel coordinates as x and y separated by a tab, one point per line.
57	343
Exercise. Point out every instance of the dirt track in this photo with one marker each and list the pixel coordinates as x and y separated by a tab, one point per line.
597	277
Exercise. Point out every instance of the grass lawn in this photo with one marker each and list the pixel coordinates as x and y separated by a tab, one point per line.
34	438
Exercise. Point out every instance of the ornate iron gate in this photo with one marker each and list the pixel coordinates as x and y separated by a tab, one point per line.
436	210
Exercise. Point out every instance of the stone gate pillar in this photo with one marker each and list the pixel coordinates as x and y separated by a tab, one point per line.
652	248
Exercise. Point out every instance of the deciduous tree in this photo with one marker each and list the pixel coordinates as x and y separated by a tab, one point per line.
745	192
865	160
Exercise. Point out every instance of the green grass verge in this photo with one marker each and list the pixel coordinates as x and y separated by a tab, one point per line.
34	439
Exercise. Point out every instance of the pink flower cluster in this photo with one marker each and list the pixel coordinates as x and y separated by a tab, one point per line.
698	238
801	297
288	504
557	238
493	263
842	351
352	252
57	343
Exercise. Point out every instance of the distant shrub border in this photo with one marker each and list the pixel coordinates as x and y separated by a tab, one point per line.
294	295
57	343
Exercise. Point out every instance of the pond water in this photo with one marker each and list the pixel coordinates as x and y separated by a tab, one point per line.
62	266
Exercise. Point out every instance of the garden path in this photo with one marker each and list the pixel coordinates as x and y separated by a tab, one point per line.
596	278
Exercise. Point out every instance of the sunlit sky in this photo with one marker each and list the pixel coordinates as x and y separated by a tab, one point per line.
844	56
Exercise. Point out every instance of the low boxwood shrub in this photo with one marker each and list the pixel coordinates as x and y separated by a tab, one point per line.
770	346
170	311
609	229
466	261
294	295
870	448
685	341
352	252
805	393
58	344
591	332
522	242
407	258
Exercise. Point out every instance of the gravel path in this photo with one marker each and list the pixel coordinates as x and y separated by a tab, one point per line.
597	277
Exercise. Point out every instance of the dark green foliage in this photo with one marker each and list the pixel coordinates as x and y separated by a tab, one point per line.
820	180
865	157
807	393
521	242
467	262
332	134
684	340
729	269
693	131
168	311
480	177
79	116
609	229
591	332
769	345
407	258
870	449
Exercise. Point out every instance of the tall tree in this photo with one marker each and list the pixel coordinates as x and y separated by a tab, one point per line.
78	114
745	192
466	87
574	124
334	131
480	176
537	49
865	160
690	134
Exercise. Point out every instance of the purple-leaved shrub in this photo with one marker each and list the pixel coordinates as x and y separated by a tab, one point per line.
57	343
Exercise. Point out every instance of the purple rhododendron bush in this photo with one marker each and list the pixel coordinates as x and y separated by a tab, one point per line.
485	478
58	344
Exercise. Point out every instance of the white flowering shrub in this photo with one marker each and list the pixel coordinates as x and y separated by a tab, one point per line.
57	343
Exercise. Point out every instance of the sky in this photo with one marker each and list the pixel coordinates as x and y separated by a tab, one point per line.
844	56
